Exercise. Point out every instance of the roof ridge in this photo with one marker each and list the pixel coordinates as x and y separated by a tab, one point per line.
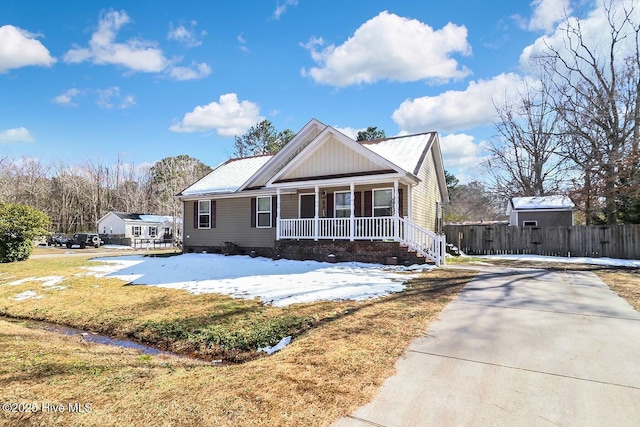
375	141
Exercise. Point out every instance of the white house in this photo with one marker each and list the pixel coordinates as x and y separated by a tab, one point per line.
138	226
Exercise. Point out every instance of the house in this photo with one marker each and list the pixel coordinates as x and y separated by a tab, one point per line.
324	194
540	211
137	226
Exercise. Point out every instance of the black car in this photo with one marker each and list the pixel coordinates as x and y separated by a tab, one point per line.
85	239
57	240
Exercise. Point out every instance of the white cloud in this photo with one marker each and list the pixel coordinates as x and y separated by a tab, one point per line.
243	43
110	98
196	71
596	32
453	111
349	131
547	13
19	48
460	151
228	117
190	37
67	97
393	48
134	54
20	134
282	7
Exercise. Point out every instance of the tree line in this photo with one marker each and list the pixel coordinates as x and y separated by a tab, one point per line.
75	196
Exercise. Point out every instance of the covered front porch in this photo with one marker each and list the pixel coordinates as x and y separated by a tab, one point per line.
354	212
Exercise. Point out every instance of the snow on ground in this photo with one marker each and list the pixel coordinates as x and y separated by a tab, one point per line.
27	295
281	282
607	262
50	282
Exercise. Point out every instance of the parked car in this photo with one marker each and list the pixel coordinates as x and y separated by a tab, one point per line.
85	239
57	240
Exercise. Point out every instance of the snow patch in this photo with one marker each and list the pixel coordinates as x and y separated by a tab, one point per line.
607	262
27	295
282	344
280	282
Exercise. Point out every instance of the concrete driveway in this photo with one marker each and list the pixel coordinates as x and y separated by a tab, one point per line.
519	347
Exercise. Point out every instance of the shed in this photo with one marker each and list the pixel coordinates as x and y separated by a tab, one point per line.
540	211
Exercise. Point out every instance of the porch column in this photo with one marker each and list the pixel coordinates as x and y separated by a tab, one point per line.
352	218
396	211
316	220
278	214
409	203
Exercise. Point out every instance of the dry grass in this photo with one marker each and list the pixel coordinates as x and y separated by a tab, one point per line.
624	282
332	367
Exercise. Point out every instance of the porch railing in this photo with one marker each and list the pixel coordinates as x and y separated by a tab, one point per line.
425	242
370	228
416	238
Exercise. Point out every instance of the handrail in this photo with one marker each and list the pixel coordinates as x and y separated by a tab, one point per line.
423	241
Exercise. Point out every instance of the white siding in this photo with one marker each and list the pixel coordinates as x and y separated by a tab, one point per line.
332	158
111	224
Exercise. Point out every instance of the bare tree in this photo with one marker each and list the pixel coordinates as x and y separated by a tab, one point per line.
597	92
524	155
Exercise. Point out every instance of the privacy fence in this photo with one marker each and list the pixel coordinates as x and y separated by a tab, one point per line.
615	241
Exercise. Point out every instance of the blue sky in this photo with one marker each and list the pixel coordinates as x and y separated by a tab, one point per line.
148	79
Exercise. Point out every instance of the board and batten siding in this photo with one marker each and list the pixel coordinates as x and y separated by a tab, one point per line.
426	194
333	158
233	224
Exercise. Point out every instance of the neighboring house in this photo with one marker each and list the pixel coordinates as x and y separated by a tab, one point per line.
138	226
322	194
540	211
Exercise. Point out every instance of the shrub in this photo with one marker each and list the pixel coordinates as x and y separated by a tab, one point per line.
19	226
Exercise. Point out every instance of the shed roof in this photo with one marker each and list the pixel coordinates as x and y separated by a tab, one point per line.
542	202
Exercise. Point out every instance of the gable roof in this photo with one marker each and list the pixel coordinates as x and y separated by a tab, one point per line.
402	155
327	136
407	152
542	202
228	177
140	217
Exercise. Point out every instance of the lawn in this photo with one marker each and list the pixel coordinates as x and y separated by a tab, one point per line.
341	351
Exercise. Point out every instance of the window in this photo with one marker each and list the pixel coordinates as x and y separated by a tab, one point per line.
136	230
204	214
167	232
263	212
382	202
343	205
153	231
530	223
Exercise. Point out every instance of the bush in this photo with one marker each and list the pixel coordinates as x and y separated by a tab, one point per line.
20	225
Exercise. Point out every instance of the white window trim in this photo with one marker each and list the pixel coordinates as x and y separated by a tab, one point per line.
155	233
335	205
258	212
133	230
524	223
204	214
373	201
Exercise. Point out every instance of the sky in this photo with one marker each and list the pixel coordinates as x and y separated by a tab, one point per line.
140	81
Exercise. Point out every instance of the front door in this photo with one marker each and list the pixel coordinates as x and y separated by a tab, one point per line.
307	206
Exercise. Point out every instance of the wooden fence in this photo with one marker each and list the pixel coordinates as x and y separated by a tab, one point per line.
615	241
